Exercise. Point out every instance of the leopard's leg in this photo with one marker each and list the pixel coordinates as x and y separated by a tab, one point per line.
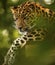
10	56
20	42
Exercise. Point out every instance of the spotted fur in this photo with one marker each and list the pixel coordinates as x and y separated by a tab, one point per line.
24	16
38	35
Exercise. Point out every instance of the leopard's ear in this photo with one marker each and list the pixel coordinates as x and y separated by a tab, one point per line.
12	9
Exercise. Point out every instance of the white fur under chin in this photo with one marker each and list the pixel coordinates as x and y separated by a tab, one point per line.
23	33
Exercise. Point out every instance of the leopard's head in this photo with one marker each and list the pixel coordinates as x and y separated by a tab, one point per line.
23	16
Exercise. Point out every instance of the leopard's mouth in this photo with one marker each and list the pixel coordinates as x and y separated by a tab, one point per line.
23	29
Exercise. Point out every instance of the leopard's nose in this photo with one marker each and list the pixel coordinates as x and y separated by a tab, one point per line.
20	28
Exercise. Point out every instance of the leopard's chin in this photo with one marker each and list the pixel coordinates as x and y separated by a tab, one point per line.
23	32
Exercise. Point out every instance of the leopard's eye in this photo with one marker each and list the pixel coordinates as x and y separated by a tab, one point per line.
15	7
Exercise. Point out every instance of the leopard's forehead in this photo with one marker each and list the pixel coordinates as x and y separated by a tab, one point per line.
22	6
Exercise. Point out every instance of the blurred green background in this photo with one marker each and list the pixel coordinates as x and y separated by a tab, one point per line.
39	53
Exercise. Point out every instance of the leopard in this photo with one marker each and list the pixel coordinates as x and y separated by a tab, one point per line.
25	16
